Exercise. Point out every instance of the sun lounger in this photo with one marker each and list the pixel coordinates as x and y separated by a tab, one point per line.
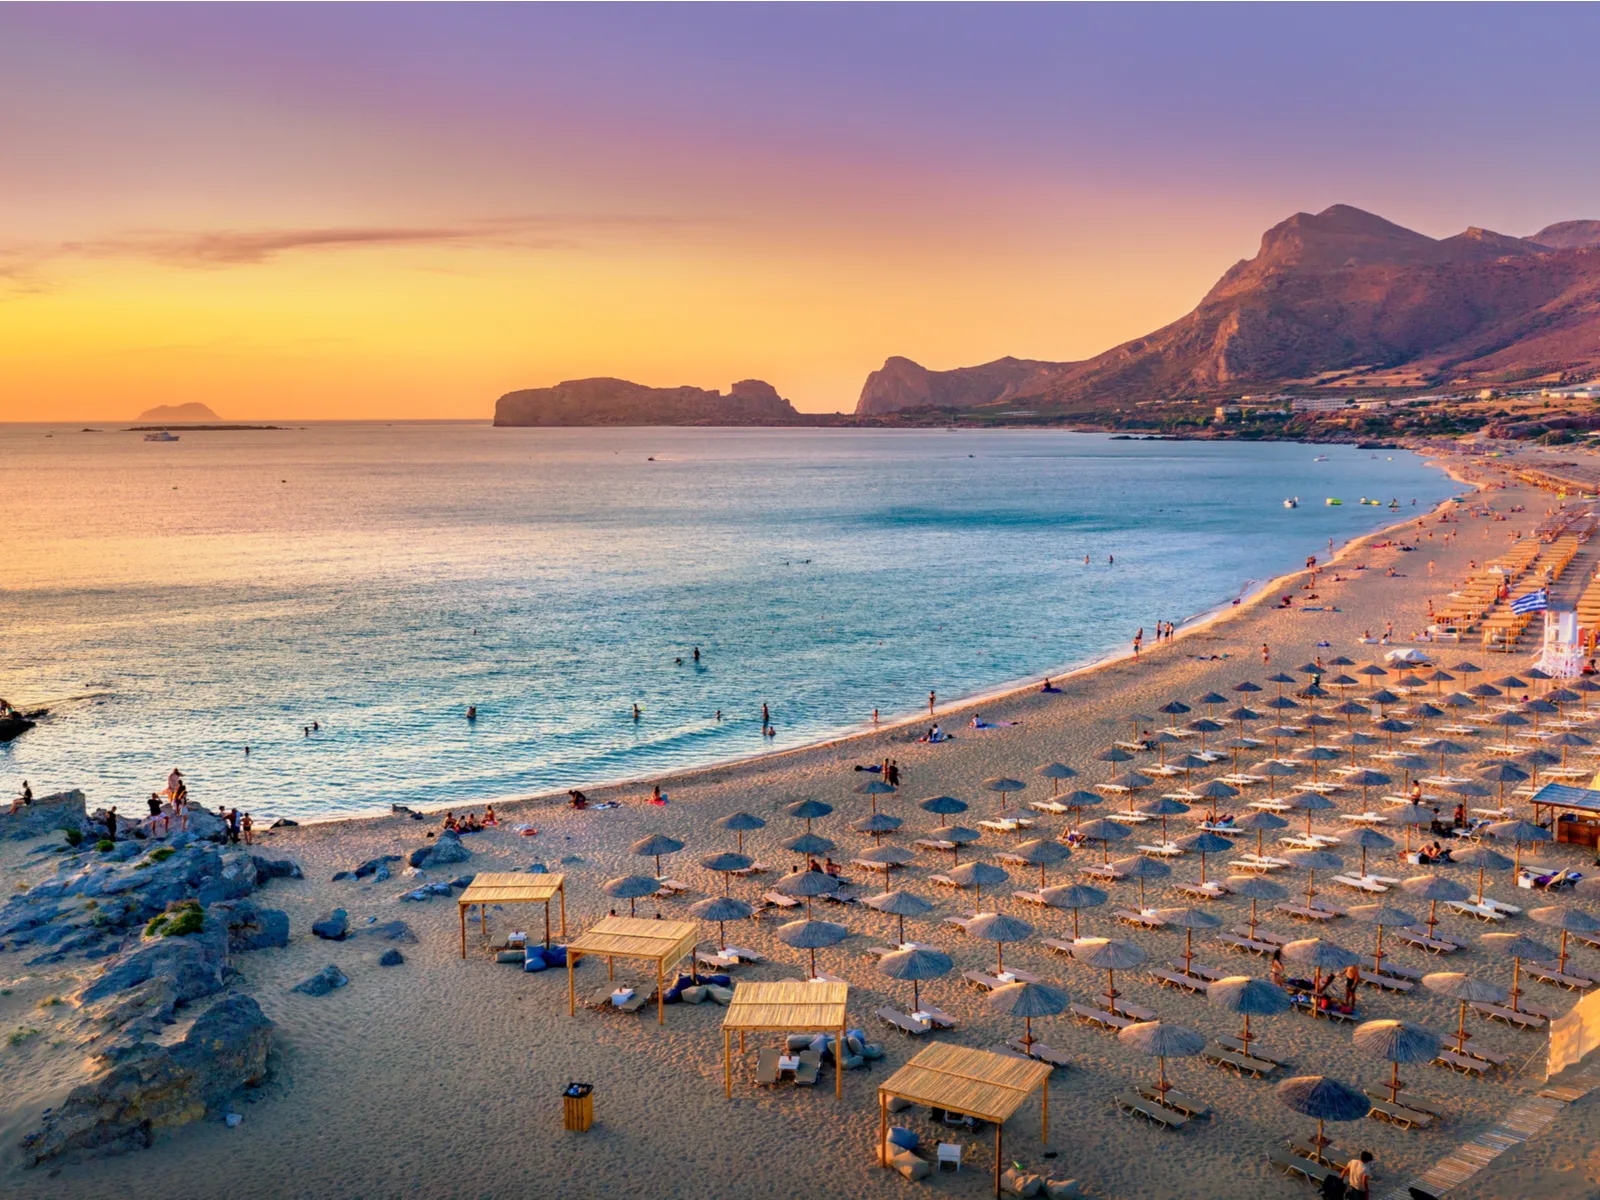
1239	1063
1390	967
1147	920
1221	830
756	868
1392	983
1399	1115
1293	1164
1041	1052
1031	898
904	1022
1199	971
1096	1016
1331	1013
1408	1100
1054	807
1482	911
810	1067
1492	1057
1414	937
712	959
1178	979
1303	913
1165	850
779	900
1517	1017
670	887
767	1067
1256	1051
1187	1105
1167	1118
933	844
1239	942
1263	934
1201	891
1466	1064
944	881
1361	883
1101	871
1548	973
866	865
601	997
744	954
939	1017
1125	1007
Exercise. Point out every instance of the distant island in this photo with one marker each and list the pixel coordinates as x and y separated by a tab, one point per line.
619	402
192	411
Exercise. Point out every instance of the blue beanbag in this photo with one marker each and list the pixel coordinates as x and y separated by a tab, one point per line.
554	956
902	1137
533	960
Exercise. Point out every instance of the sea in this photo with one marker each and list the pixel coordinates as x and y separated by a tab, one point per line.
334	596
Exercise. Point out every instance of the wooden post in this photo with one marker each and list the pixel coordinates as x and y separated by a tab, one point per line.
838	1068
1045	1135
547	924
463	910
563	890
572	997
883	1129
661	996
727	1070
997	1160
610	969
483	919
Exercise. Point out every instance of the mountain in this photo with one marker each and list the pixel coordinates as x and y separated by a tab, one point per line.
192	411
1337	291
618	402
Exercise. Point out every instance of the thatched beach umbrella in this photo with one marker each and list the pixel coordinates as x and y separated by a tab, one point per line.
1254	888
1274	769
1004	785
1367	839
957	835
1079	800
1507	721
1074	896
916	966
654	846
1163	807
1248	997
740	823
1205	726
1433	888
807	885
1105	832
1568	740
875	788
1381	915
1517	947
1137	866
1027	1000
1113	754
1188	919
1127	781
902	905
1407	763
1308	803
725	864
1260	821
812	936
1211	700
999	928
1215	790
888	856
1203	843
1174	709
1313	861
944	806
978	875
1247	686
1483	857
1501	773
630	888
1396	1042
877	824
1109	955
808	844
721	909
1036	853
808	811
1320	956
1518	832
1322	1099
1390	727
1161	1041
1567	920
1409	817
1350	710
1465	990
1055	772
1365	779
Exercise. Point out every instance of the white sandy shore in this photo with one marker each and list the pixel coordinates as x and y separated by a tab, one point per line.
441	1078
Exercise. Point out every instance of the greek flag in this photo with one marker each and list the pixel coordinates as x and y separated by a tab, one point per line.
1533	602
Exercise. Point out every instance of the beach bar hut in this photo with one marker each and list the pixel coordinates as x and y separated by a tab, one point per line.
974	1083
666	943
789	1007
512	887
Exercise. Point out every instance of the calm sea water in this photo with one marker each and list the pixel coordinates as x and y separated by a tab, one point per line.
231	588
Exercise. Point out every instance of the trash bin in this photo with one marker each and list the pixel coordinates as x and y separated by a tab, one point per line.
577	1106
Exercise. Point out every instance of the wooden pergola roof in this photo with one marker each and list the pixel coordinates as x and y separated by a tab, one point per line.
803	1005
666	943
511	887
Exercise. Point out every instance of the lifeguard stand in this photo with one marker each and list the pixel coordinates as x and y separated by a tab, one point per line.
1563	652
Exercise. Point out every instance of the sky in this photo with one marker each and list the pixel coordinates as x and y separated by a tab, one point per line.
372	211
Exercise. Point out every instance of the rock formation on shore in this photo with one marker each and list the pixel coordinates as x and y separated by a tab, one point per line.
619	402
1335	291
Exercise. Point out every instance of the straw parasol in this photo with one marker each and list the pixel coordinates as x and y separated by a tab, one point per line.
1163	808
655	846
1483	857
1349	710
1109	955
1188	919
1381	915
1501	773
740	823
630	888
1365	779
1114	754
1248	997
1027	1000
811	935
979	875
1566	741
721	909
875	788
1214	790
1507	721
1079	800
808	811
1517	947
1313	861
1160	1041
999	928
1567	920
900	904
1433	888
943	806
1396	1042
1322	1098
1518	832
1411	816
916	966
1204	726
893	856
1074	896
1260	821
1247	686
1105	832
1003	784
1274	769
1037	853
877	824
1465	990
1320	956
957	835
1254	888
1137	866
725	864
1368	839
1173	709
807	884
1310	802
1203	843
1055	772
808	844
1127	781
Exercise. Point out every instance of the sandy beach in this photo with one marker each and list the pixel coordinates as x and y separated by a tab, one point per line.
442	1077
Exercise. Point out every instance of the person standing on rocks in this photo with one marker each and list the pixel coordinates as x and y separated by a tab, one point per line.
111	824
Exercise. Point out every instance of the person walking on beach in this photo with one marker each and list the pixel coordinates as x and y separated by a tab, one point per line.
1137	638
248	826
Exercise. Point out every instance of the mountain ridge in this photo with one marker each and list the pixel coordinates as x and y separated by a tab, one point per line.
606	401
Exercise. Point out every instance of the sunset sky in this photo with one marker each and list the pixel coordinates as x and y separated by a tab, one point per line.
319	211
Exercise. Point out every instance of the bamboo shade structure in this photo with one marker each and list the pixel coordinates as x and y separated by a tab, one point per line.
511	887
976	1083
801	1007
666	943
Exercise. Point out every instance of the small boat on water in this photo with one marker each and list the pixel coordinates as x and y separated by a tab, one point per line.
1293	502
164	436
1333	500
1320	458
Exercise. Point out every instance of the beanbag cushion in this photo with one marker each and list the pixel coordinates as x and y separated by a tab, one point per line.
909	1165
905	1139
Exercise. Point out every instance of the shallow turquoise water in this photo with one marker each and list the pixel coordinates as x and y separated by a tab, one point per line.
233	587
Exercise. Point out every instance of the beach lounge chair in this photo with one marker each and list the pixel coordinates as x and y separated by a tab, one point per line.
1293	1164
1328	1154
1101	871
1178	979
1493	1057
866	865
1465	1063
670	887
1240	942
641	996
779	900
710	958
1392	983
1201	891
933	844
1303	913
1263	935
959	922
1040	1051
944	881
1198	970
904	1022
601	996
1145	920
1126	1007
1186	1104
767	1067
1301	1004
1058	945
1390	967
1361	883
1133	1103
1096	1016
1256	1050
1520	1018
982	981
1483	912
1031	898
1053	807
805	1075
1397	1114
1241	1064
1420	939
1408	1100
755	868
1548	973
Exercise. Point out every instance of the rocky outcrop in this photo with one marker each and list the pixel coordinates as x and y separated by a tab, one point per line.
619	402
192	963
333	926
323	982
447	850
63	810
159	1086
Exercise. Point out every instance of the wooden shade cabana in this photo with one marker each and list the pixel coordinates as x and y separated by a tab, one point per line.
975	1083
666	943
512	887
789	1007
